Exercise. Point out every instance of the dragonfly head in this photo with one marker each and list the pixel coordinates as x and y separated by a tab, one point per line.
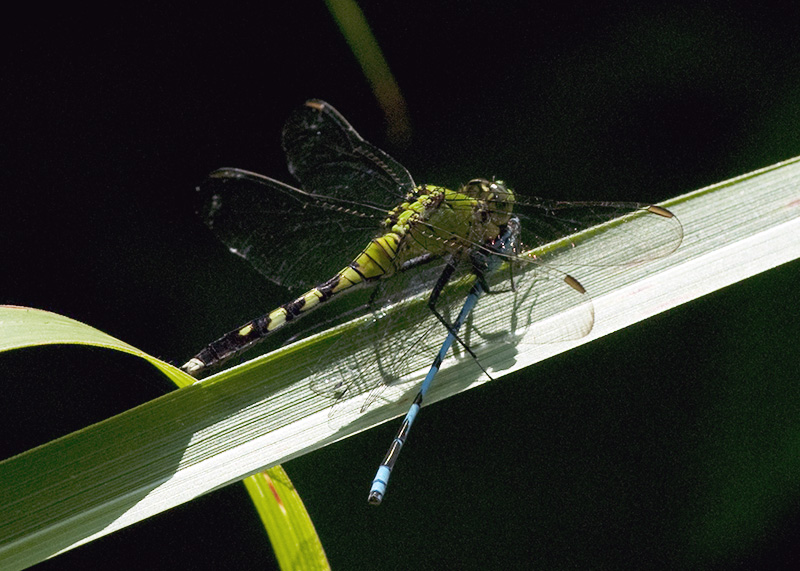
496	195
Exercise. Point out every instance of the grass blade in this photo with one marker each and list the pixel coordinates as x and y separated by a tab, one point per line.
263	412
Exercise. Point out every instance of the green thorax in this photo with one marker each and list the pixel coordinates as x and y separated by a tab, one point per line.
436	220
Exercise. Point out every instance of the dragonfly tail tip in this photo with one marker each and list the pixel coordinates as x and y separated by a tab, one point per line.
193	367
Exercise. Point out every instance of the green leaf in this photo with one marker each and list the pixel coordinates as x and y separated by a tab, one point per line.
263	412
28	327
293	537
290	529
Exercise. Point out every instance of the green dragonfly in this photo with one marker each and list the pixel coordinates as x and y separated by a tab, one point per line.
359	205
405	241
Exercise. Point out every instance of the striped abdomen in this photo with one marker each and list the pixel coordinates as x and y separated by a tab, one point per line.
376	261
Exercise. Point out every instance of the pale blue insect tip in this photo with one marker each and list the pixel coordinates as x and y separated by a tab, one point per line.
379	486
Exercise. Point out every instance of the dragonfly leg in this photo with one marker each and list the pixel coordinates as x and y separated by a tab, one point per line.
443	280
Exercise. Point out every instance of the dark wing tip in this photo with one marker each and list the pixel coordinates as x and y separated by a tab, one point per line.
660	211
317	104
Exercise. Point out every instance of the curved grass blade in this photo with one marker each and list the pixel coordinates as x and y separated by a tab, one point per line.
293	537
287	522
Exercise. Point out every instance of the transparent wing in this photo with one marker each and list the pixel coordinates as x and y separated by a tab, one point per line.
621	233
299	238
330	158
401	340
539	305
394	339
531	299
291	237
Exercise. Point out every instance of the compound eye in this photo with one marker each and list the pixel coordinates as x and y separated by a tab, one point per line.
478	186
499	191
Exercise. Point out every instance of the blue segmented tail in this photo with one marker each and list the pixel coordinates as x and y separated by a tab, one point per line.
488	263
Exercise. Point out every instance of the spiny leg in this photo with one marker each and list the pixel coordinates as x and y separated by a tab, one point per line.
441	283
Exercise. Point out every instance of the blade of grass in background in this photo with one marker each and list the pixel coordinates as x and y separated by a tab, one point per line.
261	413
362	42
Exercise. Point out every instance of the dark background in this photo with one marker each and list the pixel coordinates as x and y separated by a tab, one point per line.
671	444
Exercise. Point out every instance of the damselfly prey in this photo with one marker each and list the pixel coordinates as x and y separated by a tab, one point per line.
484	262
361	221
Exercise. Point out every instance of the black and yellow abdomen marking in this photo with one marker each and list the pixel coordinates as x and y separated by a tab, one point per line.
376	261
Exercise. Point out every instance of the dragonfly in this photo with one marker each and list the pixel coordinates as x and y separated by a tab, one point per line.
402	240
346	180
